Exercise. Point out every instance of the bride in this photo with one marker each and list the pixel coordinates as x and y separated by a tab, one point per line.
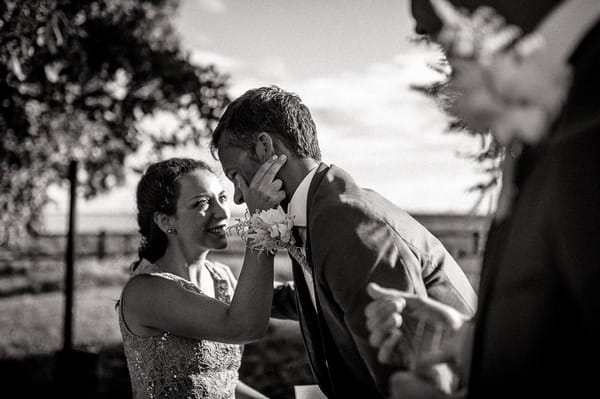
182	317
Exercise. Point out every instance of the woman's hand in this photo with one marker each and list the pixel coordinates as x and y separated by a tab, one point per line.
264	191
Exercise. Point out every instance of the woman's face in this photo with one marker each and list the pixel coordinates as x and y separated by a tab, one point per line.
202	214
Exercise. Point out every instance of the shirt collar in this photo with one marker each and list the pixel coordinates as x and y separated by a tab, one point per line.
297	205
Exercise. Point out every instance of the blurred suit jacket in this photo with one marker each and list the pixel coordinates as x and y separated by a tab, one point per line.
355	236
537	327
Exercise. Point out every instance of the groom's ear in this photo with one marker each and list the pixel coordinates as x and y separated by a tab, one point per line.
264	147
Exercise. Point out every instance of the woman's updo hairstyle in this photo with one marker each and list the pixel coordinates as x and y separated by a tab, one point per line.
158	191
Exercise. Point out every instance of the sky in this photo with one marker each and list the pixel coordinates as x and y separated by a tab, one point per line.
352	63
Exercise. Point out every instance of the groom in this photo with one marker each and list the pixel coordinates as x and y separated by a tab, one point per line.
351	236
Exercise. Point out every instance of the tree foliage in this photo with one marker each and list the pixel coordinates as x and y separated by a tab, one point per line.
490	154
76	79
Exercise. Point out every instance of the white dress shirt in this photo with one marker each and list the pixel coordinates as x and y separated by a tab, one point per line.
297	210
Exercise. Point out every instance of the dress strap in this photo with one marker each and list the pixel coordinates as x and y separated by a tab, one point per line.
146	267
221	282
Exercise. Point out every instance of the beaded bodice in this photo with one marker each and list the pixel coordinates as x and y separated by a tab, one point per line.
170	366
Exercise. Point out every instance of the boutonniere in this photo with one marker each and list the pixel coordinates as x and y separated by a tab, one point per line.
268	231
499	82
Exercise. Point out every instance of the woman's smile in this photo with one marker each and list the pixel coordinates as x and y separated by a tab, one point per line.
217	229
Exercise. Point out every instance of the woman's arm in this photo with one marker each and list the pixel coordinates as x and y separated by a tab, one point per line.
158	304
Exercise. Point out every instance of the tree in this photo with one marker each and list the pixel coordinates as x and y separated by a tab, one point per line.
76	78
490	154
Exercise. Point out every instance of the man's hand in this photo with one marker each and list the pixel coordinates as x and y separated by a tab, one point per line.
432	351
264	191
385	317
407	385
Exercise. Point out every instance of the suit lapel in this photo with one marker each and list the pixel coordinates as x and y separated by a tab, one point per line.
309	318
314	184
298	275
320	333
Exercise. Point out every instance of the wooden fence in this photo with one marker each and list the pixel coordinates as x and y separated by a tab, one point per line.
461	235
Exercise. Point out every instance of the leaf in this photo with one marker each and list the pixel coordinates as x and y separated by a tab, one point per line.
54	103
15	66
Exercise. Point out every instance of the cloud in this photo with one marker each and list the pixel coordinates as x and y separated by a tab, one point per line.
214	6
352	103
373	124
381	96
224	63
389	137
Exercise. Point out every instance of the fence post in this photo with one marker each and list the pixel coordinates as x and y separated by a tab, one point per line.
101	247
65	364
69	260
476	242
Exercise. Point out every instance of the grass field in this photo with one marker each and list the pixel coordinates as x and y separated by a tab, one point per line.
31	323
31	328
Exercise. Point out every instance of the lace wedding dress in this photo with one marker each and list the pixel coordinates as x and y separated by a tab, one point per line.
169	366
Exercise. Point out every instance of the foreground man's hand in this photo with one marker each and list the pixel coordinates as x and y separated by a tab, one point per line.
433	352
407	385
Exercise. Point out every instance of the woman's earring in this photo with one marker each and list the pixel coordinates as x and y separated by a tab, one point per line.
170	231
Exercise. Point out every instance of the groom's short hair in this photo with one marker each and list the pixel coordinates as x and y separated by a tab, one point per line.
273	111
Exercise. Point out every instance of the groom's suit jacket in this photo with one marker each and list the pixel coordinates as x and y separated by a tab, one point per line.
355	236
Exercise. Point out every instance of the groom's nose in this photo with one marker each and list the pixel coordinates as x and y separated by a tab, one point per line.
238	197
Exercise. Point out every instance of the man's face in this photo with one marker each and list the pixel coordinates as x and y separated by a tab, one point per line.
236	161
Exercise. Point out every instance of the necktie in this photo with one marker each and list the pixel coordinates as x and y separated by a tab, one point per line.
300	236
299	233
